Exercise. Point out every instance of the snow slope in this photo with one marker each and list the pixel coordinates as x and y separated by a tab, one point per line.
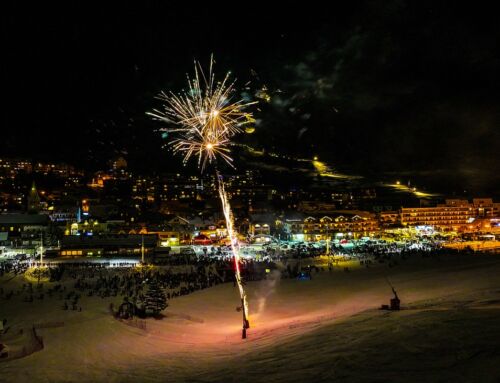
326	329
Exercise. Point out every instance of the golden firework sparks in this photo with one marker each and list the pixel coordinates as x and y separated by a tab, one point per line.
206	118
206	148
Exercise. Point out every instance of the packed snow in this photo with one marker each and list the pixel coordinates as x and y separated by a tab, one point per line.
326	329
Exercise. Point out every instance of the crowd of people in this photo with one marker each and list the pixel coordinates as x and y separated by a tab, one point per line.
177	275
185	273
15	267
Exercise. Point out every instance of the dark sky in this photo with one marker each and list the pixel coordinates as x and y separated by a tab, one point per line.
403	87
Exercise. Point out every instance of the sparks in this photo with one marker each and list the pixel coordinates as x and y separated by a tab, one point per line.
206	118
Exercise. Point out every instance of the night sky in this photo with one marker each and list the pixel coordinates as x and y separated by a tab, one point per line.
387	87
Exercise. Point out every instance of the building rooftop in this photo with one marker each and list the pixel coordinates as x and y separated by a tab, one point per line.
74	241
24	219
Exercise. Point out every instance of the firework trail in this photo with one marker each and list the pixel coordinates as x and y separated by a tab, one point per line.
205	118
226	208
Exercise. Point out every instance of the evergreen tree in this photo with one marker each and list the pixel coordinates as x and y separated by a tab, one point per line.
155	299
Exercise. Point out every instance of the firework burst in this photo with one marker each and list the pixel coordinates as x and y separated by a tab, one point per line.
205	117
206	148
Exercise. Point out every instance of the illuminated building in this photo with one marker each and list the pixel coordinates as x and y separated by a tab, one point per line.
260	229
13	222
260	224
169	238
85	207
99	179
486	208
143	190
312	228
66	215
453	215
87	227
389	218
352	224
62	170
290	227
15	165
12	167
178	188
444	218
118	245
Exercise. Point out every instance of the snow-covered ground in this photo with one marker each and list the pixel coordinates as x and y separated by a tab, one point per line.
327	329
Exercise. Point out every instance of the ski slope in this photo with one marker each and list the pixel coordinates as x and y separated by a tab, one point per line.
322	330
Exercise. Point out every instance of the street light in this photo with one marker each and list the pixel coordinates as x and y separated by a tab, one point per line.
41	248
327	242
142	249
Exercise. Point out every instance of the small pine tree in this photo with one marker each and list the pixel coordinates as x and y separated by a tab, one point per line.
155	299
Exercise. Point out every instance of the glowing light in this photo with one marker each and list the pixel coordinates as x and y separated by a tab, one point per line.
37	274
413	190
325	171
233	236
206	118
206	113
